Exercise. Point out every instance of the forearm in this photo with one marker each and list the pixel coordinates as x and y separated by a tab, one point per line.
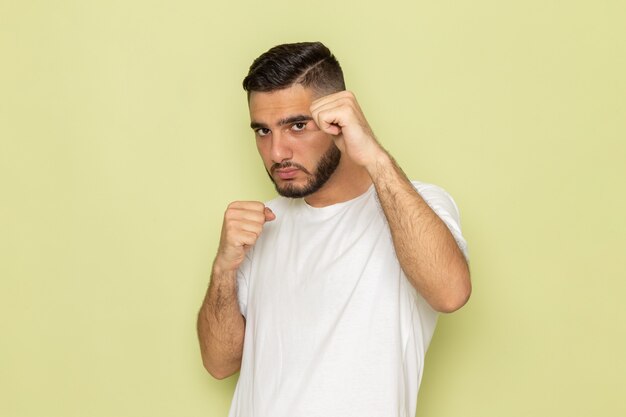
426	249
221	326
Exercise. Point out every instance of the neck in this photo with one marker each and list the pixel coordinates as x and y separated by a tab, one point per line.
347	182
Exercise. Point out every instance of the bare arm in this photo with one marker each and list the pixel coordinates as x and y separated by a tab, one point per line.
426	249
221	326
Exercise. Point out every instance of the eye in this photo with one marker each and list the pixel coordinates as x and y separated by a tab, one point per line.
298	126
262	131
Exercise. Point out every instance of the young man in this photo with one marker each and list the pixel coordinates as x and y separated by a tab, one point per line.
326	298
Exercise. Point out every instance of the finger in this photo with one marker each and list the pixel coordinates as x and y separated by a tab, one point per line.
249	210
259	217
247	205
269	214
330	121
341	96
246	238
234	229
250	227
328	104
332	129
246	215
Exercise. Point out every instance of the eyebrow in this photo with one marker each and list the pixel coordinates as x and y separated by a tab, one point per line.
282	122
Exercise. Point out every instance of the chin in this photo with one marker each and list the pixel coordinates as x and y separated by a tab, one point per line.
293	192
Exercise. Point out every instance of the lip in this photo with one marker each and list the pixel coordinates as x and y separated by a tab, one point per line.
287	173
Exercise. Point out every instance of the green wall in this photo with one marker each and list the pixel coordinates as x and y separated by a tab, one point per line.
123	135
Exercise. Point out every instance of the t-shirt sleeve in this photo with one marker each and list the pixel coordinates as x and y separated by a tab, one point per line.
444	206
243	276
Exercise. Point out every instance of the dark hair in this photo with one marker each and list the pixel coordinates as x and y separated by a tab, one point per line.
310	64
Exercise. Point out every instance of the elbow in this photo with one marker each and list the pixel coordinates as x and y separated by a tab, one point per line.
218	366
219	375
453	302
456	296
218	372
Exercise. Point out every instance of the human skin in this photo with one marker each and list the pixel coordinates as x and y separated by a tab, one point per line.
294	125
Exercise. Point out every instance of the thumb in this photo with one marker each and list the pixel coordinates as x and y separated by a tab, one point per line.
331	128
269	214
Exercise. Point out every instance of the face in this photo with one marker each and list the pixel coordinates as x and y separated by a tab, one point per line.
297	155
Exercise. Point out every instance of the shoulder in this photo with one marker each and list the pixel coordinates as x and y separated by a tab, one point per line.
442	203
435	196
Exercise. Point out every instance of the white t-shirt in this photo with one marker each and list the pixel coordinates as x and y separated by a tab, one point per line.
333	326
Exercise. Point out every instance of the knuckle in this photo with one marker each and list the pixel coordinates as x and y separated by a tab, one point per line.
229	215
258	205
230	229
249	238
250	205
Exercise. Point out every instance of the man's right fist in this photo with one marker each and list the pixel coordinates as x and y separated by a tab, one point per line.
243	224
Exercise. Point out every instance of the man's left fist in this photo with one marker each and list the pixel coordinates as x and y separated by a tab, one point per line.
339	114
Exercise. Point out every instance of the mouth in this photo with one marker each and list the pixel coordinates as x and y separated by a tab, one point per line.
286	173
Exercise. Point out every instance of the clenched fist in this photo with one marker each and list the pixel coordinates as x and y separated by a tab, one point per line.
243	224
340	115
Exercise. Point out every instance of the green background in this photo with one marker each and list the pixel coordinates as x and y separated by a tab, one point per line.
124	134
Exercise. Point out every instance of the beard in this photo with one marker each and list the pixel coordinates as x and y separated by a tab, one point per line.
325	167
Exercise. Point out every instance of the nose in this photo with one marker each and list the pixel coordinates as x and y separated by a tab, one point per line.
280	150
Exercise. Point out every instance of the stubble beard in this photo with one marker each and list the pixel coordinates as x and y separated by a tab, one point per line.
325	168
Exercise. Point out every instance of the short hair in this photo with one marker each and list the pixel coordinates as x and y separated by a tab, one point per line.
310	64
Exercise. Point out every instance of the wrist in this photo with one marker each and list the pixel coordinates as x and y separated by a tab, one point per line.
222	269
381	161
